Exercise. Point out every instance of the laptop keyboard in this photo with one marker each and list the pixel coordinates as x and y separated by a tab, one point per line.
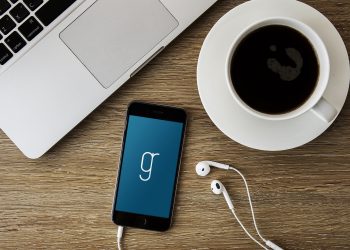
22	20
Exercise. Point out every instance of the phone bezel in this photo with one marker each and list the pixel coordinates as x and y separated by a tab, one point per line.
157	112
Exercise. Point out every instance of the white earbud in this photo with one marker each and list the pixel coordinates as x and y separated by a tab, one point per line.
203	167
218	188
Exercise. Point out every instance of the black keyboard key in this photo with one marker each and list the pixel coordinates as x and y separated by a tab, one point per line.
15	42
14	1
6	25
33	4
30	28
5	54
52	9
19	12
4	6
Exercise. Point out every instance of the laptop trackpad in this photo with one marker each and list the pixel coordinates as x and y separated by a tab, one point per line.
112	35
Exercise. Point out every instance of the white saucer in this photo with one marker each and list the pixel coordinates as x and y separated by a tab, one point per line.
226	113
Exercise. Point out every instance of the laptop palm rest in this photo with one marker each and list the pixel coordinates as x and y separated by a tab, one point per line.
113	35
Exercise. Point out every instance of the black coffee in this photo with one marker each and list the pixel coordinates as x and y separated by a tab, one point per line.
274	69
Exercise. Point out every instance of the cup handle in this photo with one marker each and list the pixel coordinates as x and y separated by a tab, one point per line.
324	110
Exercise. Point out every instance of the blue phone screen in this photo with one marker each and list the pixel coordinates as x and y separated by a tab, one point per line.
149	166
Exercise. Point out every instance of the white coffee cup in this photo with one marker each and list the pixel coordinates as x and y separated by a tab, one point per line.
316	102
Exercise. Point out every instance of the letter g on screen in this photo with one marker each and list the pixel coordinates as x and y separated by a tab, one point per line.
149	169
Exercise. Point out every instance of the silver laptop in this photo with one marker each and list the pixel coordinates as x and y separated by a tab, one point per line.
60	59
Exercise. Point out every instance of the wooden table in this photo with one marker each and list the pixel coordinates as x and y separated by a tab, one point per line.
64	199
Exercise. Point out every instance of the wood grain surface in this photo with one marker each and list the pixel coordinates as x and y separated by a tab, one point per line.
64	199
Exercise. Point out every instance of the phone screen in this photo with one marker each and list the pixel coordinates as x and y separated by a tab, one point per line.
149	167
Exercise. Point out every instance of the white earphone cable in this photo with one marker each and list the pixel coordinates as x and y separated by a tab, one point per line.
119	247
119	236
250	203
245	230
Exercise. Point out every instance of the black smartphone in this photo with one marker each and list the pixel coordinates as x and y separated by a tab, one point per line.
149	166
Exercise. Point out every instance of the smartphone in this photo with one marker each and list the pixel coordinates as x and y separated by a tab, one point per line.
149	166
